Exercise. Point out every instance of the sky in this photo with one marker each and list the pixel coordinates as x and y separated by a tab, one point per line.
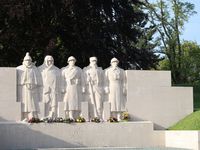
192	28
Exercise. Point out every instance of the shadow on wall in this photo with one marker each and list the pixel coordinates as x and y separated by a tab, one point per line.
2	119
23	137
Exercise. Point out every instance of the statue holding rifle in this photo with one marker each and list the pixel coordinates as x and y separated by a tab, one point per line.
94	82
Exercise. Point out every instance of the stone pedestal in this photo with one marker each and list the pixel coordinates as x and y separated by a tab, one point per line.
62	135
61	112
41	113
85	110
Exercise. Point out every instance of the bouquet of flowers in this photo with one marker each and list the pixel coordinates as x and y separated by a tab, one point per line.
112	119
68	120
59	120
34	120
125	116
80	119
97	120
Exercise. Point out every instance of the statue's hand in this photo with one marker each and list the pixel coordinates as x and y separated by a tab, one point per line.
124	91
77	81
83	90
29	86
63	91
46	98
88	78
106	90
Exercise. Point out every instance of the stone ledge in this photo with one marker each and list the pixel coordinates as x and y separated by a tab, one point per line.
61	135
149	78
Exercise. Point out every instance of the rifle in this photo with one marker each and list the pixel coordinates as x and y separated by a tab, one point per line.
92	96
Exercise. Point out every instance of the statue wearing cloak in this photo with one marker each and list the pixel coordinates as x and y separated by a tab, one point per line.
27	81
50	91
72	85
94	82
115	86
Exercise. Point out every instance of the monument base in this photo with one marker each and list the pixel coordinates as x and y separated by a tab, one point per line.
74	135
6	111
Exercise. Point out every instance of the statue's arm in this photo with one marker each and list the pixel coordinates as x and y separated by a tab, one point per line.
106	82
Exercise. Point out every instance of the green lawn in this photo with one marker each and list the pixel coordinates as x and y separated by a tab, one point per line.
191	122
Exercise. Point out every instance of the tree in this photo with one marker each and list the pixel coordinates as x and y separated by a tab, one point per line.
83	28
190	70
169	18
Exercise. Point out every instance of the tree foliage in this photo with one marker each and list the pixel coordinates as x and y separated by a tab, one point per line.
190	70
169	18
83	28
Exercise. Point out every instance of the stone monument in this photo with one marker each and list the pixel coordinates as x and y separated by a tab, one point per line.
28	82
152	103
115	87
94	88
50	91
73	87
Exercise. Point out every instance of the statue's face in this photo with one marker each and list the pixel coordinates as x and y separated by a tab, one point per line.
71	62
114	64
49	62
27	62
93	62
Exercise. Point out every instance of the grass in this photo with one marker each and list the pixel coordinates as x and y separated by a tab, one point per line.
191	122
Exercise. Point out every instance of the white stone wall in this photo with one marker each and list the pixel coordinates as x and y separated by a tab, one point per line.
151	97
75	135
8	84
149	78
61	135
182	139
10	109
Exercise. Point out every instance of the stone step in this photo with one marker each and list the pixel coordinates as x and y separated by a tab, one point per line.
74	135
115	148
